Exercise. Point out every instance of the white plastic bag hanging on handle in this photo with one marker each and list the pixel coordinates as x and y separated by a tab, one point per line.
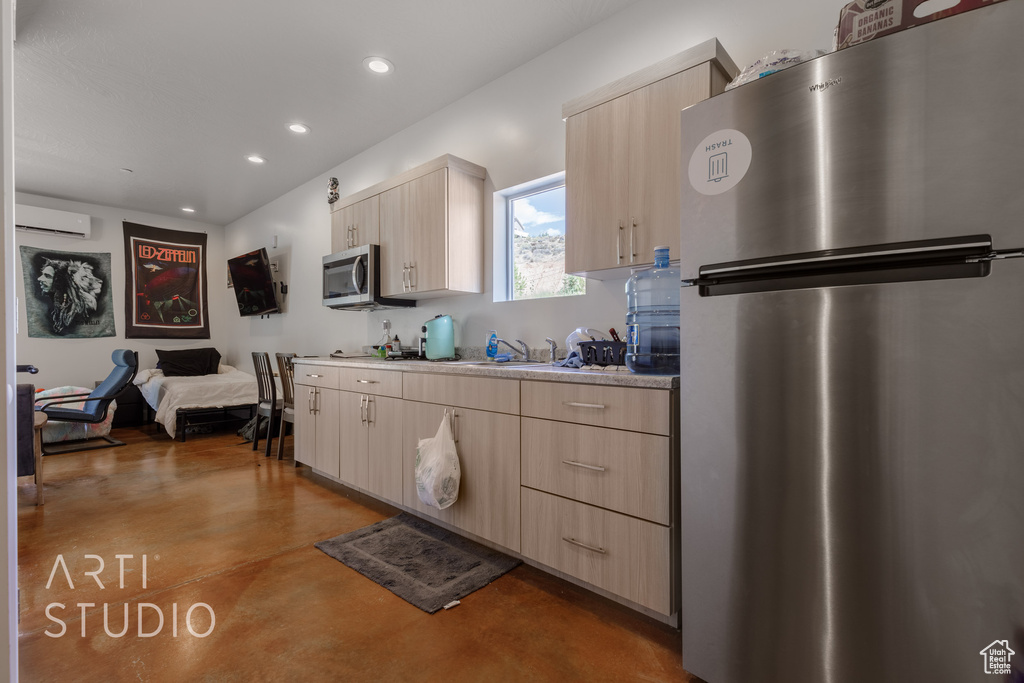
437	467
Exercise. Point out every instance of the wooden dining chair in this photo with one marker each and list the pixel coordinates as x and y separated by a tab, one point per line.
286	372
268	404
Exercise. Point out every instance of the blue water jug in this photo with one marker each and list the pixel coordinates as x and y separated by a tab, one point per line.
652	318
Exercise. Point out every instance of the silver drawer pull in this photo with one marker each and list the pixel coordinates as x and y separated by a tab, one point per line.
574	404
367	381
583	465
585	546
314	375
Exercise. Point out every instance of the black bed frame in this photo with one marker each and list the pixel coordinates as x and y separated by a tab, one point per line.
195	417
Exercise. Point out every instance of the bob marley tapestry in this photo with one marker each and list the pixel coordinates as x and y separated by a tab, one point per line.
67	294
165	283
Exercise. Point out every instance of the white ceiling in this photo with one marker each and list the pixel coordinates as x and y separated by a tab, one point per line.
181	91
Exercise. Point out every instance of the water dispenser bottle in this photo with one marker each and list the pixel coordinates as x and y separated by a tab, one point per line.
652	318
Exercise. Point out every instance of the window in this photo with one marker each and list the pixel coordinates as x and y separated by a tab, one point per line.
535	239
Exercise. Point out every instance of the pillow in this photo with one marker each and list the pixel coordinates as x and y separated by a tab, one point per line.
188	362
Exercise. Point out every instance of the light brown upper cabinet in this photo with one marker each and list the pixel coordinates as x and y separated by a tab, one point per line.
356	224
622	161
431	231
429	223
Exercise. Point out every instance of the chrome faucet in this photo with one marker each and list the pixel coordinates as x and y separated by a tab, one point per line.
523	351
554	349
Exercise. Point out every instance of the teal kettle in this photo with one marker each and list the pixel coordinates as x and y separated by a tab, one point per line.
440	338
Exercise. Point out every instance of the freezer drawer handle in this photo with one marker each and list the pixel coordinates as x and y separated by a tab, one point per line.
314	375
367	381
574	404
585	546
583	465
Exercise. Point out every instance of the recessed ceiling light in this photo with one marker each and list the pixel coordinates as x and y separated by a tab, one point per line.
378	65
298	128
256	159
188	209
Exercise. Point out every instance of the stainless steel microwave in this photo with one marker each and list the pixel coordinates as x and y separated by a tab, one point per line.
352	280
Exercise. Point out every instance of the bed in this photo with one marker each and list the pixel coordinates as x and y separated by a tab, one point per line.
184	403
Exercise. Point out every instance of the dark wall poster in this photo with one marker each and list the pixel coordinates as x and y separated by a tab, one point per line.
165	283
67	294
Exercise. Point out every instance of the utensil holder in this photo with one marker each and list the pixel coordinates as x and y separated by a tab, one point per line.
603	352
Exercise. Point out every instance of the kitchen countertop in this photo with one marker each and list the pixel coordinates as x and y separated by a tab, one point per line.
533	371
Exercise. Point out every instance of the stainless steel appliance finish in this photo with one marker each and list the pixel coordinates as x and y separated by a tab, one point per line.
852	421
351	280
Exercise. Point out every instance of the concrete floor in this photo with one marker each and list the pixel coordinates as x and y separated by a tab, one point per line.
221	526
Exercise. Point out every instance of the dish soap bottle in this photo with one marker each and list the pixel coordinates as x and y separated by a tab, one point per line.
492	344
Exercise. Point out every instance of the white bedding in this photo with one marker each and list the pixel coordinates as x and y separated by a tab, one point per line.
229	387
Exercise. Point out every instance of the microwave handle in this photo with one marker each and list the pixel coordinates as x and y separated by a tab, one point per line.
358	274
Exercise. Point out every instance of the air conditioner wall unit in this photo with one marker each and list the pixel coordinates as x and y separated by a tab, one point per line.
52	222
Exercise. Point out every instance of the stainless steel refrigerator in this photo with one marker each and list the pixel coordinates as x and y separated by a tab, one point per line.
852	341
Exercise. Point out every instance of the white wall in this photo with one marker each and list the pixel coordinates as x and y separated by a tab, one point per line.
81	362
513	127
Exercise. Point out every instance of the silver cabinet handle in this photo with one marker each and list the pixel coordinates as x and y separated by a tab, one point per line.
455	423
369	400
585	546
583	465
355	234
412	285
405	277
367	381
632	248
314	375
362	410
309	401
574	404
618	243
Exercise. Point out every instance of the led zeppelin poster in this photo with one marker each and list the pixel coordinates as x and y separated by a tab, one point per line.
165	283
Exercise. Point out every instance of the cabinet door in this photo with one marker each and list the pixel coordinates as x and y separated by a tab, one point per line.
395	240
596	186
355	225
327	432
305	425
654	166
488	505
488	448
384	465
352	438
413	236
420	421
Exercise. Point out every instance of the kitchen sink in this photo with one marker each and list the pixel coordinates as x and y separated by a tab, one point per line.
509	364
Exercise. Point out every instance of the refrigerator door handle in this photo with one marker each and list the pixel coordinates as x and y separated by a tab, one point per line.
998	255
937	259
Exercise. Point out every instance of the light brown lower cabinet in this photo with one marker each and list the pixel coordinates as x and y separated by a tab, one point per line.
488	448
317	432
384	417
623	555
371	443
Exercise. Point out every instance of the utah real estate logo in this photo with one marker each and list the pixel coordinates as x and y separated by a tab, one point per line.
997	657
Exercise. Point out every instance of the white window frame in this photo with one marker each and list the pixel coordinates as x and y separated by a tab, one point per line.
503	230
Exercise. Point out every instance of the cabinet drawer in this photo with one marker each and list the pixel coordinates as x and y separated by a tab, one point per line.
482	393
317	375
639	410
623	471
623	555
371	381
